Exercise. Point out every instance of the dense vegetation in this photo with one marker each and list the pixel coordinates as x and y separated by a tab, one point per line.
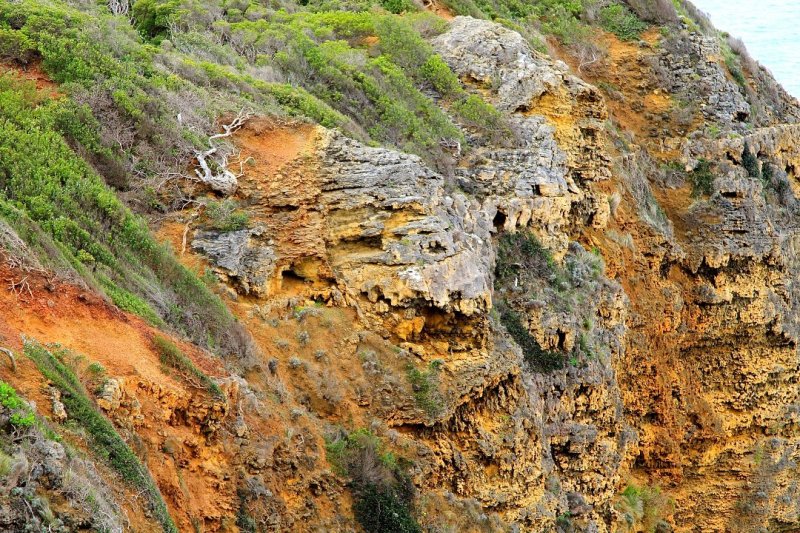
383	492
43	181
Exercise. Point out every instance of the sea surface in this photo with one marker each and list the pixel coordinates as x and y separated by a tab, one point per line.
769	28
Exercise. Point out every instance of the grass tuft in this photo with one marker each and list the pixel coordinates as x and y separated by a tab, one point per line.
172	357
105	439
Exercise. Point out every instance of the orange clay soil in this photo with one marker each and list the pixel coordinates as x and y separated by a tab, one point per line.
272	144
33	73
58	312
628	83
440	10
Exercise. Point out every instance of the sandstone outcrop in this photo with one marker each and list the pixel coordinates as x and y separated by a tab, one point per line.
618	233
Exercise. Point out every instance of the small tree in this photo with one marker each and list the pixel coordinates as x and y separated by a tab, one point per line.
750	162
767	173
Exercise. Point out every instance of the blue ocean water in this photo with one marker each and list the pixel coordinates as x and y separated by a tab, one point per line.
769	28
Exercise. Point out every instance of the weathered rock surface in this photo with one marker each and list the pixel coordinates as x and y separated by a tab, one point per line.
247	262
689	65
369	281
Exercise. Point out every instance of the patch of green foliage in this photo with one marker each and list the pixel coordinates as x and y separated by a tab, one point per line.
560	18
702	179
299	102
539	359
424	384
733	63
128	301
382	492
172	357
521	253
750	162
525	270
768	175
622	22
379	510
21	415
104	438
339	450
226	216
44	181
644	508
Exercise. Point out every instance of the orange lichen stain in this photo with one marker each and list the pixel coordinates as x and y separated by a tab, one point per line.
558	111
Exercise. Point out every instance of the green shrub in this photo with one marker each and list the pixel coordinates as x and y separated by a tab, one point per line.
620	21
21	415
297	101
702	179
153	17
733	63
644	508
379	510
96	368
225	216
424	385
438	73
382	492
398	6
341	451
105	439
172	357
15	46
750	162
129	302
474	112
539	359
767	174
655	11
521	253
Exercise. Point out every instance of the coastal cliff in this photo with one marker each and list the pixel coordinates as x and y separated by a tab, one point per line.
394	267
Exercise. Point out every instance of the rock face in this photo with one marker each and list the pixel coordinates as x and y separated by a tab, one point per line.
666	289
241	256
557	121
385	229
383	232
427	244
689	65
491	55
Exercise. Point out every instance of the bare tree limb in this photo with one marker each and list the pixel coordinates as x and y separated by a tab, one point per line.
239	121
220	178
20	286
10	355
119	7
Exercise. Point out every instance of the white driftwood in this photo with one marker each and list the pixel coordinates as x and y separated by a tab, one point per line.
223	180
